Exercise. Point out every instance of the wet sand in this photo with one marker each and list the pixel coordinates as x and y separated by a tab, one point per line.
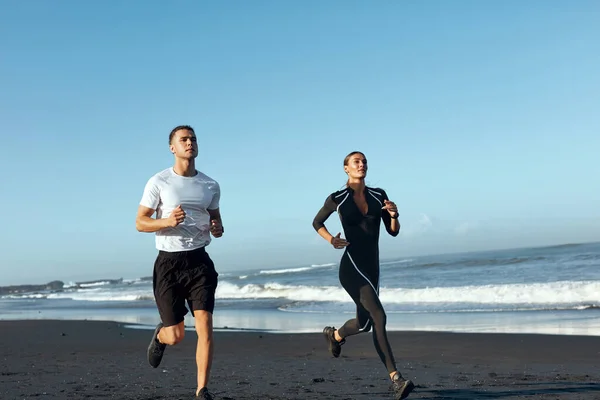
98	360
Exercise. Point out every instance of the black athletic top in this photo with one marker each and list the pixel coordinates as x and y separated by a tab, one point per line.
361	231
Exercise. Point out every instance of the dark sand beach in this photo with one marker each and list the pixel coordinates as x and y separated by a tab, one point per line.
98	360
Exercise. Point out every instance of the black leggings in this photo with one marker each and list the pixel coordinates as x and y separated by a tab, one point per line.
360	278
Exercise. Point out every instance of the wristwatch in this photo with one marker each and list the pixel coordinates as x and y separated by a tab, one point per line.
396	217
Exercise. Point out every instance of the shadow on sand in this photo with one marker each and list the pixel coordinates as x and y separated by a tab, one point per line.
543	389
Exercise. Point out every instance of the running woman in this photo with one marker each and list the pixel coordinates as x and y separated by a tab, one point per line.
361	210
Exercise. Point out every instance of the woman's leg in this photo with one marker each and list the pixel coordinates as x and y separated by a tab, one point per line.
351	281
359	275
360	278
371	303
354	281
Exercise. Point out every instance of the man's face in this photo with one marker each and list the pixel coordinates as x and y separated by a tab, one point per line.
184	144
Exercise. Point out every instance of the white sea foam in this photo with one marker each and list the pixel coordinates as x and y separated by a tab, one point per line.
582	294
566	292
396	262
227	290
294	270
323	265
284	271
94	284
105	295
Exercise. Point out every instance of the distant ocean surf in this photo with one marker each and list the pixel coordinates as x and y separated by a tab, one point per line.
553	290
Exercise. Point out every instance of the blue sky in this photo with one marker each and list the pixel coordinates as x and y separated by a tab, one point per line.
480	120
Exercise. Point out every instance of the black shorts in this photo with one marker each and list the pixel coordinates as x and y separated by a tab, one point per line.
180	277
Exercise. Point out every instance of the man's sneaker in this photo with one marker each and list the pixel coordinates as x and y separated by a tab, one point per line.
402	387
335	347
156	349
204	394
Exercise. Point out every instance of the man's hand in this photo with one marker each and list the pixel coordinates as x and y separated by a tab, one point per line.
216	228
390	206
176	217
338	242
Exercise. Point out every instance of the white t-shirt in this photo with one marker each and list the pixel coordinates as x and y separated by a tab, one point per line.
196	195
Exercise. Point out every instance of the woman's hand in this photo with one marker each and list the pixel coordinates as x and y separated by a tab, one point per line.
390	206
338	242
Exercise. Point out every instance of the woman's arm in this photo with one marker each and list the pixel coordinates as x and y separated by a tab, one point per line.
319	224
389	215
319	220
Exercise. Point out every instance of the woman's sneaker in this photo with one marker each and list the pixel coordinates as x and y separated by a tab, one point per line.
335	347
402	387
204	394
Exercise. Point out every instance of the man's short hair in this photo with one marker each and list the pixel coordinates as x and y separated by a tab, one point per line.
178	128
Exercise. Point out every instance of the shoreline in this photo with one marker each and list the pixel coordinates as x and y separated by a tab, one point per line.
65	359
189	327
561	322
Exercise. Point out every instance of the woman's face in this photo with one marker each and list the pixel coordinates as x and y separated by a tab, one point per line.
356	168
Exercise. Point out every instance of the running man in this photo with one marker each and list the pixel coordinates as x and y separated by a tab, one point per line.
186	203
361	210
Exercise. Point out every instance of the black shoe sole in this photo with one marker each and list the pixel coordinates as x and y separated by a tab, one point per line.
405	390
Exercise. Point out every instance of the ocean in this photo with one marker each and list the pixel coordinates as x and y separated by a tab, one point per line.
548	290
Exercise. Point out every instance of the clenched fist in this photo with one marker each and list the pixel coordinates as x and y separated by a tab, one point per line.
216	228
176	217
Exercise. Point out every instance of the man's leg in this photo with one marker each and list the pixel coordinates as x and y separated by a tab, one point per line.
170	302
202	285
163	336
171	335
204	349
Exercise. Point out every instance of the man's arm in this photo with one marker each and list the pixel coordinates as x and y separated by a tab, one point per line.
216	223
147	207
215	214
145	223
